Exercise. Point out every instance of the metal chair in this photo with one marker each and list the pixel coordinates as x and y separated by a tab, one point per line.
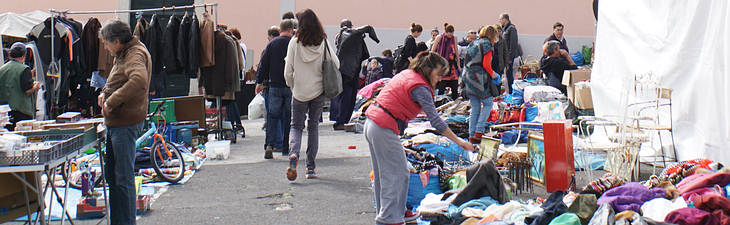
648	118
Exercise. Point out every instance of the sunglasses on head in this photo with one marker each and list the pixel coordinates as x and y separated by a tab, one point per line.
474	32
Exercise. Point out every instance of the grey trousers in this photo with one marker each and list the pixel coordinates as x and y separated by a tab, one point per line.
391	173
310	111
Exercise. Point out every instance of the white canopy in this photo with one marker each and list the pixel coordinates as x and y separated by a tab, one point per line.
18	25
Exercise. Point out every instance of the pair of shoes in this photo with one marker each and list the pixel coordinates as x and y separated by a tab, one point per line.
291	171
311	174
410	216
268	154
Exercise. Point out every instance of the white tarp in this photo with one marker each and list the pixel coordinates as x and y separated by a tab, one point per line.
686	45
19	25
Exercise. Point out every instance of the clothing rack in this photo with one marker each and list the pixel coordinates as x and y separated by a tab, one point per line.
214	10
64	13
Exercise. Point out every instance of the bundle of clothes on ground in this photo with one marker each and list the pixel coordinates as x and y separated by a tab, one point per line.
692	192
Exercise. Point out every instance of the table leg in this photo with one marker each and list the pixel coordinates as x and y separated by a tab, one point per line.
51	179
27	201
103	184
41	199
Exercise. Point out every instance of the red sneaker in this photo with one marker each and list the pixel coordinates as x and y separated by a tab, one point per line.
291	171
410	216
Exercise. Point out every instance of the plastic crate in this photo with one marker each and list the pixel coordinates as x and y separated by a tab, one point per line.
68	143
168	112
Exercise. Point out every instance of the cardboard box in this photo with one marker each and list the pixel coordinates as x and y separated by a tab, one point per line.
583	99
12	198
570	77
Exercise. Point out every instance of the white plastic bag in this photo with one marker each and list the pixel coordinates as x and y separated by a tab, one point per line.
256	108
218	149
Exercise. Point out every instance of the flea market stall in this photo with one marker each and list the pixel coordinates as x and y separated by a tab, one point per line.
54	164
609	151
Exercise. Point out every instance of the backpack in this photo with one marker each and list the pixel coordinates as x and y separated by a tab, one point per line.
397	58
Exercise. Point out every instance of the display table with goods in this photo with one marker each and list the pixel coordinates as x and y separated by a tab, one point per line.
25	157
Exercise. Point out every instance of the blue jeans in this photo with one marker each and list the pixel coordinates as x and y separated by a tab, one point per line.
480	109
119	171
278	116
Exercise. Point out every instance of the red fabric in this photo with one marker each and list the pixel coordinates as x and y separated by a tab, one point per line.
691	216
703	180
711	202
493	116
396	97
487	63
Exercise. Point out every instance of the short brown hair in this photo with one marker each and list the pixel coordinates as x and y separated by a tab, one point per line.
287	15
416	28
448	28
387	53
236	33
287	24
310	32
427	61
557	24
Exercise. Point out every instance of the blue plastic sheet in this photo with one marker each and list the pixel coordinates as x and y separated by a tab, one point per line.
449	152
510	137
531	113
416	191
592	159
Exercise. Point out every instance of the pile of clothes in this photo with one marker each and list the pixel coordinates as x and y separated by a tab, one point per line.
701	197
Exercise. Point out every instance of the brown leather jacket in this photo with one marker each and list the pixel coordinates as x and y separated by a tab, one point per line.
126	89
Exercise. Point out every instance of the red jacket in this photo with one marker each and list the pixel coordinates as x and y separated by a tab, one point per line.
396	97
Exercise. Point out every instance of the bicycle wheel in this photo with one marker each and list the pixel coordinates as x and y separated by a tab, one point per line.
74	173
170	168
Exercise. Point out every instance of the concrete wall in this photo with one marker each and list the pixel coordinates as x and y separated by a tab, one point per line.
533	18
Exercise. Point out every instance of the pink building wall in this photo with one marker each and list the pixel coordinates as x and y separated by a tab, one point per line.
254	17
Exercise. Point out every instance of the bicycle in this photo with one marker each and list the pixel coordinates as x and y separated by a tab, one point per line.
166	158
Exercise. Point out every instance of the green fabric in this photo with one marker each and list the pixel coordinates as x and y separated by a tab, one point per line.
587	54
584	206
566	219
11	92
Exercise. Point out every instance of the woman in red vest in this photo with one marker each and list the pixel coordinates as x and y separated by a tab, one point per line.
405	96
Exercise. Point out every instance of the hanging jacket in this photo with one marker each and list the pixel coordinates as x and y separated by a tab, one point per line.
396	98
169	50
193	48
217	79
41	34
154	36
140	30
182	44
207	30
351	50
236	67
91	42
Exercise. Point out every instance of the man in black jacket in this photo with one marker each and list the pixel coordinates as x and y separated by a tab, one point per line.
510	47
278	104
351	51
556	62
558	36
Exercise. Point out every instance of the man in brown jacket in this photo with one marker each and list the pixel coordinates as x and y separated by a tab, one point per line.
124	103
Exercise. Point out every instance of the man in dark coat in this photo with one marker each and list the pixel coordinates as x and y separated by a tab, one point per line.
351	51
509	46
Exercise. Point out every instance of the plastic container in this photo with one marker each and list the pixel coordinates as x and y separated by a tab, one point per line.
218	149
184	135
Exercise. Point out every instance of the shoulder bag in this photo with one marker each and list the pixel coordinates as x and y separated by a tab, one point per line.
331	77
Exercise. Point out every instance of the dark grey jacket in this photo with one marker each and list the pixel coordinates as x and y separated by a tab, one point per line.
351	49
511	48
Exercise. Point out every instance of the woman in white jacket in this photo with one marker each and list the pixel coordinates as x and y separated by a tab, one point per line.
303	74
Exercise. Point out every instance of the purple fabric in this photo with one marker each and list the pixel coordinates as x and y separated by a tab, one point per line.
691	216
445	48
630	196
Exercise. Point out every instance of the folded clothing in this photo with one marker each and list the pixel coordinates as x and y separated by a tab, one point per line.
658	208
703	180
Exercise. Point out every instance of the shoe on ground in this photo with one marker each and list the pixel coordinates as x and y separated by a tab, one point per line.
311	174
268	154
291	171
276	149
339	126
410	216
